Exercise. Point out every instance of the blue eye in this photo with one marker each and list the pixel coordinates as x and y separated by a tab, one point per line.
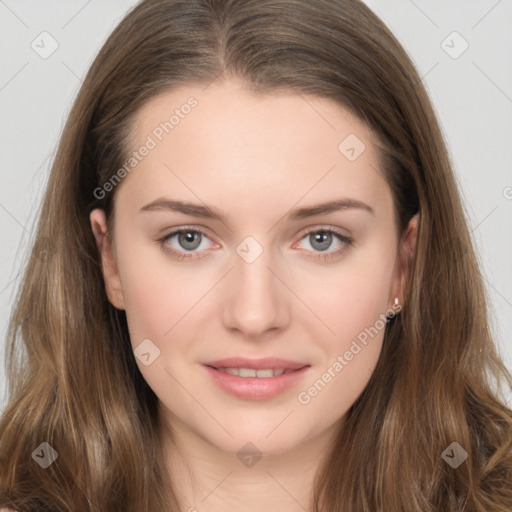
188	239
320	239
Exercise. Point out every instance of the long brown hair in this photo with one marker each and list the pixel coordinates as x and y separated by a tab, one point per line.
73	380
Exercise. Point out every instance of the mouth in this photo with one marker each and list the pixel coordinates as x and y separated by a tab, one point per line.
255	384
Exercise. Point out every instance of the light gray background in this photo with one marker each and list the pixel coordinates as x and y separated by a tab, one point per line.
472	95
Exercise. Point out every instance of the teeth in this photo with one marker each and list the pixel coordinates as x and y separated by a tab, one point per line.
251	372
246	372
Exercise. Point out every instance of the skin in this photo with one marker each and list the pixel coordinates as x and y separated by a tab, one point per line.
255	158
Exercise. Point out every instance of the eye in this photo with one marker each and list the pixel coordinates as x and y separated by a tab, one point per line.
321	239
188	241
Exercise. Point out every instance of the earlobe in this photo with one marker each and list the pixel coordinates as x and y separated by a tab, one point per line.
109	269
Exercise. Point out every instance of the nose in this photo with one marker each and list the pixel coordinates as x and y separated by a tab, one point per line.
255	298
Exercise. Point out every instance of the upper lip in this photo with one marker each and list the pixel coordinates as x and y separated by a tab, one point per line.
257	364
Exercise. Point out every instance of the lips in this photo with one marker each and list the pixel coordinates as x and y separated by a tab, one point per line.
250	387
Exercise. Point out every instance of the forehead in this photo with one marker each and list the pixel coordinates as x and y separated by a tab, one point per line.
281	145
227	112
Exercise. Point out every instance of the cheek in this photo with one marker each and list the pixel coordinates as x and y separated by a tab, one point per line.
157	293
157	299
356	314
352	296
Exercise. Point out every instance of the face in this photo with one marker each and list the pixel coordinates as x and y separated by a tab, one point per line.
219	251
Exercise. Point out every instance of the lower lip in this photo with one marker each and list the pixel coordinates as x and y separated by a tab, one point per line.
254	388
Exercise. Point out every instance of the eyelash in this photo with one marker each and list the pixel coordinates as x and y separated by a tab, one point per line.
319	256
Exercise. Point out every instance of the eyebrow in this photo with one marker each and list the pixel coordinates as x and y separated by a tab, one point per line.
210	212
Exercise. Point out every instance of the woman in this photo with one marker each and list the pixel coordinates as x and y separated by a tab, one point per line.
261	288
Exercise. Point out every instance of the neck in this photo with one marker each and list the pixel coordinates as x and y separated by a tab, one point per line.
206	478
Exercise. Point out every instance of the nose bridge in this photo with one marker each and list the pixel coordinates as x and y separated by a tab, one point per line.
256	302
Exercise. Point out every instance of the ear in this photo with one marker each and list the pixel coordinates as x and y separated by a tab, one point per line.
406	254
108	260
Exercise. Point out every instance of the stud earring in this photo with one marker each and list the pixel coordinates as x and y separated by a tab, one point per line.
391	313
